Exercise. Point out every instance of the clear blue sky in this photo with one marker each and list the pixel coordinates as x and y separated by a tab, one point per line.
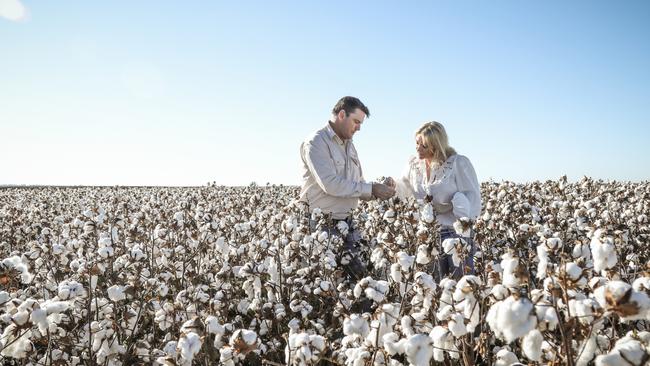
182	93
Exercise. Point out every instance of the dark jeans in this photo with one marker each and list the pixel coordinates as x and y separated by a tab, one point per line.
348	254
445	262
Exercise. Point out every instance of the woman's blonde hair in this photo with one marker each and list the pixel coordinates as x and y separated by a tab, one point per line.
435	136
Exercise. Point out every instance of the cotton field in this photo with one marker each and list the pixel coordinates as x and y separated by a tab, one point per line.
233	276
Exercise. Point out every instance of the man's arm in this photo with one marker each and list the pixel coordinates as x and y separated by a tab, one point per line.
317	157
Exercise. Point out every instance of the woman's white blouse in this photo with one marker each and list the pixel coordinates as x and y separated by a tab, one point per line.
453	186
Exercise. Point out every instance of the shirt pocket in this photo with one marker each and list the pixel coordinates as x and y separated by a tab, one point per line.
339	166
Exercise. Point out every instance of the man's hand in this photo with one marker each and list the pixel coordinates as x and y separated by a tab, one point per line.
389	181
382	191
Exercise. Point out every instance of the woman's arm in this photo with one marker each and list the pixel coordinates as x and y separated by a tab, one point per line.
467	201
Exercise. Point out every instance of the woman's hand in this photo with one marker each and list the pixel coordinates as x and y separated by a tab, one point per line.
389	181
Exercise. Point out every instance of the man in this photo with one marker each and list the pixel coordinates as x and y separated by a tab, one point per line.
332	176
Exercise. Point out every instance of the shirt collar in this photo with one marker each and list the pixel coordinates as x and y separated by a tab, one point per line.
332	135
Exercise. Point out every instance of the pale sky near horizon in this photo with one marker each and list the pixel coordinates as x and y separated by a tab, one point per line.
185	93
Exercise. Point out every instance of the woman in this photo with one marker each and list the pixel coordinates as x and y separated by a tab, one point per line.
448	179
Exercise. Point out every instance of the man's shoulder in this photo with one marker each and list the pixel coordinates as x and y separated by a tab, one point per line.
316	137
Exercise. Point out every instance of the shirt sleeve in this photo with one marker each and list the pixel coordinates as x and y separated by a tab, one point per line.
316	157
468	186
403	186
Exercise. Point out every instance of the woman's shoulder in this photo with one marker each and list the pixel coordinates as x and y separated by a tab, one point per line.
413	160
459	159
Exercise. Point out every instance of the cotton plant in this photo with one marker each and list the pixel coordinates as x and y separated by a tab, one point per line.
603	251
153	263
512	318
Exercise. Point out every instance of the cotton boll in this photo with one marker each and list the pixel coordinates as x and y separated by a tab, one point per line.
427	214
396	272
418	350
532	345
457	325
393	344
389	216
514	272
116	293
356	324
423	254
581	250
405	260
542	265
620	298
451	247
505	358
499	292
587	351
603	251
342	227
511	318
626	352
442	340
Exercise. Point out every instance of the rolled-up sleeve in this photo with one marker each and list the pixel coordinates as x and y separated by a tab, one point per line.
403	186
468	185
317	158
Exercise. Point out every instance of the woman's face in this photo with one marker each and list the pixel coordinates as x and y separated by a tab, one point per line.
423	148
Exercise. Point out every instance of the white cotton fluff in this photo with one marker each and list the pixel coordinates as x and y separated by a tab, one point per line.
587	351
303	348
603	251
542	257
499	292
189	345
393	344
322	236
427	215
116	293
423	254
583	309
418	350
451	246
389	216
343	228
170	348
619	297
546	315
457	325
511	318
510	265
69	290
574	272
639	284
465	287
16	347
356	324
375	290
442	341
532	345
466	300
377	258
17	264
105	252
384	321
396	272
4	297
405	260
425	281
505	358
448	286
626	352
581	250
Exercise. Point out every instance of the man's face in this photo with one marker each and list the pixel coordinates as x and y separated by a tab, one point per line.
350	123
